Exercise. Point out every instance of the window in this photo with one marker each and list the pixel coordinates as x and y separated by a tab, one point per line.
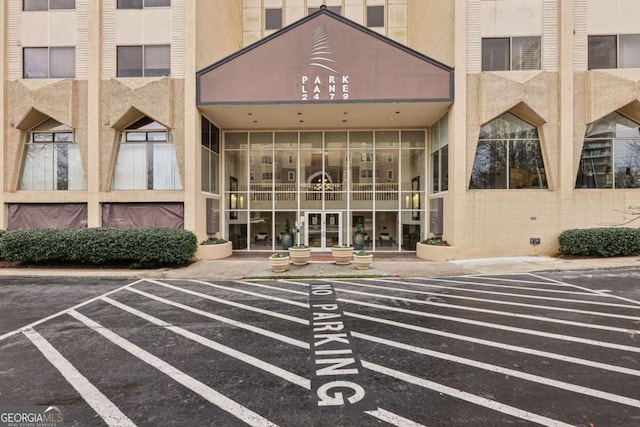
375	16
508	156
272	19
611	51
610	154
389	174
52	159
48	62
139	4
144	61
266	160
290	159
32	5
334	9
210	152
291	176
267	176
515	53
440	155
366	157
146	159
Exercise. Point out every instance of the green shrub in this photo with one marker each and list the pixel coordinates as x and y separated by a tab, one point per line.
136	247
602	242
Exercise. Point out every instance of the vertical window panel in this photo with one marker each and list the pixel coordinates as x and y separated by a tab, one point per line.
62	62
272	19
33	5
629	51
495	54
525	53
129	60
35	63
157	61
602	52
375	16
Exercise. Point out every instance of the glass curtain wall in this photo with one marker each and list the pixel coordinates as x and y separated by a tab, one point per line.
373	180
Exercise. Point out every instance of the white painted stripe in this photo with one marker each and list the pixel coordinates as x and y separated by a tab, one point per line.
500	313
502	346
175	374
426	282
544	281
391	418
594	291
294	282
235	304
509	294
254	294
243	357
498	302
226	320
109	412
499	327
506	371
468	397
275	288
66	310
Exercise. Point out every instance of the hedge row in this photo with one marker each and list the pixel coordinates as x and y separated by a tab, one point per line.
602	242
136	247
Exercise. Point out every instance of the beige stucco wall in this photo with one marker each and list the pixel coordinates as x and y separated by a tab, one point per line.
435	40
215	40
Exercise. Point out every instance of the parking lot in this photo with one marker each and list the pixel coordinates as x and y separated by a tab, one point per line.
523	349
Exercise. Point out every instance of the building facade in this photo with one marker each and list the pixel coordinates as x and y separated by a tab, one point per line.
494	124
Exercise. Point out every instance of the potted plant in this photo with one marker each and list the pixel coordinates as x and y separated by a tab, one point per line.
279	262
286	239
214	248
299	254
358	237
342	254
435	249
362	260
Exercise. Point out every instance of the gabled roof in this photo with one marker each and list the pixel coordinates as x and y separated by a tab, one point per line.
324	58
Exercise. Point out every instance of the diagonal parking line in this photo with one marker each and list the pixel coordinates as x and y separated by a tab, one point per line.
109	412
65	311
391	418
506	371
501	313
508	294
497	326
226	320
590	290
218	399
490	301
232	303
477	400
502	346
250	360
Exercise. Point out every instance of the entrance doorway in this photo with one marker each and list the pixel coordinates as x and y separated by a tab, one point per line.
323	230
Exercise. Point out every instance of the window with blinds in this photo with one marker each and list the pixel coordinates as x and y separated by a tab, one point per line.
511	53
629	51
602	52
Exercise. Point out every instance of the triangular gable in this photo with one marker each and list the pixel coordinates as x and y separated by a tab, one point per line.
325	57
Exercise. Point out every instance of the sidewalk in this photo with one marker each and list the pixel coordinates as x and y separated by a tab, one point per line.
256	266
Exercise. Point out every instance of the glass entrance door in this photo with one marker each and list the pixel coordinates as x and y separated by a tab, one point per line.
323	230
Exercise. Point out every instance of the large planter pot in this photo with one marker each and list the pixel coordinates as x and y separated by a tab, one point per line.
435	252
219	251
362	262
299	256
342	255
279	264
358	241
286	240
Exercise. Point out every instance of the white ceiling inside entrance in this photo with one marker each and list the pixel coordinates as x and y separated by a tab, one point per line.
326	116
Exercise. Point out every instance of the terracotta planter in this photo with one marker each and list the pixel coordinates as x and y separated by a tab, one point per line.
363	262
279	265
435	252
209	252
342	256
299	256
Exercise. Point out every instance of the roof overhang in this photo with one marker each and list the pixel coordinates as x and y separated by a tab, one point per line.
325	71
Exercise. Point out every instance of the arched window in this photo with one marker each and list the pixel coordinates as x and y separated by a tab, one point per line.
508	156
146	158
52	159
610	154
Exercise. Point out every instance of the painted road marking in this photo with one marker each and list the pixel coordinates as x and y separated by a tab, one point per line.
98	401
218	399
65	311
498	312
498	326
502	346
601	293
477	400
232	303
243	357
